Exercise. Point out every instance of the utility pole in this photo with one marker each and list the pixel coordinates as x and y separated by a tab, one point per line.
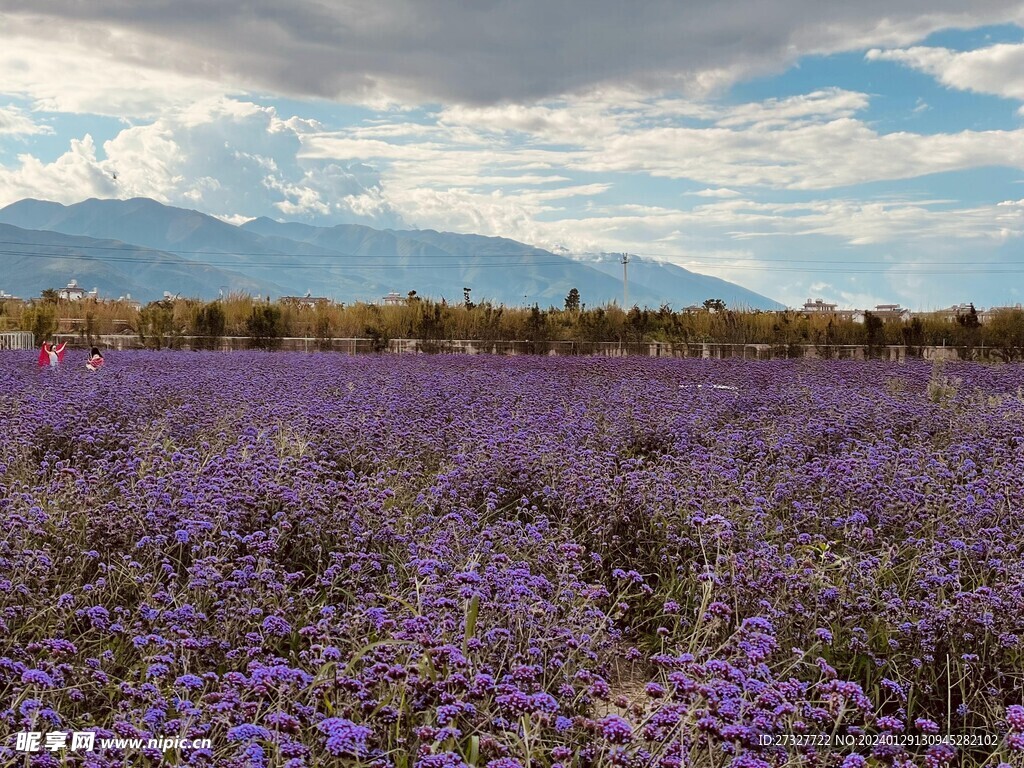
624	260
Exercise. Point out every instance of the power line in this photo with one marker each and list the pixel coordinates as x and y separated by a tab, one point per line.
278	264
513	260
785	260
687	257
624	258
334	255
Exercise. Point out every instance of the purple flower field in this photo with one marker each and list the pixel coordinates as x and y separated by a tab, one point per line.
444	561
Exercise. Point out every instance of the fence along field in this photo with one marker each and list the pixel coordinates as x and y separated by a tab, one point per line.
17	340
896	353
461	560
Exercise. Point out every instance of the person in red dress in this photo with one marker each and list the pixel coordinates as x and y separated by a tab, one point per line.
51	354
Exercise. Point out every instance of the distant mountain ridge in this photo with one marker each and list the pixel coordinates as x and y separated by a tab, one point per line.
32	260
143	247
673	280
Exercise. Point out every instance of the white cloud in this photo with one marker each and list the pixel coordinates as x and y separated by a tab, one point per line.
709	229
530	173
224	157
474	167
998	69
827	104
807	142
74	176
88	76
14	122
825	155
723	192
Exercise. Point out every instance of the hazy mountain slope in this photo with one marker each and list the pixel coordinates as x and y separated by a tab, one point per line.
443	263
679	286
276	265
33	260
350	262
651	282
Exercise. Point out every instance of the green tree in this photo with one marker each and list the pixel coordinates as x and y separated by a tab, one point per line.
264	327
50	296
156	324
638	323
323	328
378	338
430	325
714	305
537	329
90	326
969	319
913	333
874	327
572	301
41	320
1005	332
210	325
465	298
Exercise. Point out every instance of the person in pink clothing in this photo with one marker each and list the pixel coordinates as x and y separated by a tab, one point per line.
95	360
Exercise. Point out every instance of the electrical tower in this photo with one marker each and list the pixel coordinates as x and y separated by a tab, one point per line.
624	260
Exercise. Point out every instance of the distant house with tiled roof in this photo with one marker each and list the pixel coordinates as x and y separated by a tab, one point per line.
890	312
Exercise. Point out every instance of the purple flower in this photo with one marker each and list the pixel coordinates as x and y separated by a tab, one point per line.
443	760
191	682
275	625
615	729
345	738
36	677
248	732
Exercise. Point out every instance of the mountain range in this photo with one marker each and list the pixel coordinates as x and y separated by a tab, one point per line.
144	248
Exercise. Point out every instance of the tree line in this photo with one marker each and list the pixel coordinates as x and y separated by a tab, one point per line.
165	323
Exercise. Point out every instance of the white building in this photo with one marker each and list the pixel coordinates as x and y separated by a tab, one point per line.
71	292
127	299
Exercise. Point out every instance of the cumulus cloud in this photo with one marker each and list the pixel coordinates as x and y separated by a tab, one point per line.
998	69
224	157
485	53
74	176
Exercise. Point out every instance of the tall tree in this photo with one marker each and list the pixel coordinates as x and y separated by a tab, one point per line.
572	301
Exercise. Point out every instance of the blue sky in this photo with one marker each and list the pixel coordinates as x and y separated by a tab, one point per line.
862	155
